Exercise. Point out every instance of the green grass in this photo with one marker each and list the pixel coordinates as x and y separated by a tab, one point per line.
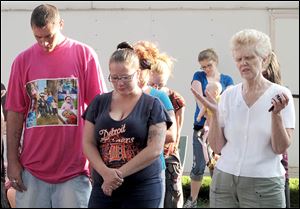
294	192
203	200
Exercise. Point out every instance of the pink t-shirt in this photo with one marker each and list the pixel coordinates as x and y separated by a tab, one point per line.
52	146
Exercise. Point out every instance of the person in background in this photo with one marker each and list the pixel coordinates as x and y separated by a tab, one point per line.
272	73
249	172
124	134
3	131
159	74
3	99
208	60
148	54
7	189
4	200
213	88
51	170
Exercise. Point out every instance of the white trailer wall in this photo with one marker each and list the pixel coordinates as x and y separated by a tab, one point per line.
182	29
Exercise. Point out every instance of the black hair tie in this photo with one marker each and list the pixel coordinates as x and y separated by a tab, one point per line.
124	45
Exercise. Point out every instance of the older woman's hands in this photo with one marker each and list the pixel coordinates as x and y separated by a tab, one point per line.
112	180
209	102
279	102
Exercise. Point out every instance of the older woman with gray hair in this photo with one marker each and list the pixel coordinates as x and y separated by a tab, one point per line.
250	135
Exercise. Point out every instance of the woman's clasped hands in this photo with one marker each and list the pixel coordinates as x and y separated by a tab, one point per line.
112	180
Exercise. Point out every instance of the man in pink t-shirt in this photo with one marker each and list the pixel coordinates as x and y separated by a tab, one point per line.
51	170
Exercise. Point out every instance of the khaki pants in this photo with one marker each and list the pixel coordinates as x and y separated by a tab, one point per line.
229	191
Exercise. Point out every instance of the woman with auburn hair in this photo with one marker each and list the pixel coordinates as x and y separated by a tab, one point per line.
159	75
148	54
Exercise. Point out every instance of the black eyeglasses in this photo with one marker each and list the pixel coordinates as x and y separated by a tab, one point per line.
123	78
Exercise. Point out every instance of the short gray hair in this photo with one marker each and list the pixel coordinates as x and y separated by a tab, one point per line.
252	37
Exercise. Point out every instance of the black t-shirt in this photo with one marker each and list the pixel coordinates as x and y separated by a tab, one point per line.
120	141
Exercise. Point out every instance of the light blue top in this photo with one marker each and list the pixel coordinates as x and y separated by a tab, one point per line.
164	98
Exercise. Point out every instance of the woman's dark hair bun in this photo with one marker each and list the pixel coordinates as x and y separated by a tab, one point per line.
124	45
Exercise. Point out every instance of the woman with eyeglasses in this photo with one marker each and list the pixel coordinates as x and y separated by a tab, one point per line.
208	60
124	134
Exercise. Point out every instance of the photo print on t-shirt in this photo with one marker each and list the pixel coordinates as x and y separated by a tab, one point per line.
53	102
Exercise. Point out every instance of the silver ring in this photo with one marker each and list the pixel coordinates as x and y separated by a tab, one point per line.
14	181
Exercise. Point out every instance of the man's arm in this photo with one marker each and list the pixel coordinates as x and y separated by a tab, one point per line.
14	133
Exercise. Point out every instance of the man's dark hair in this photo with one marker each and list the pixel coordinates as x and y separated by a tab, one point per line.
44	14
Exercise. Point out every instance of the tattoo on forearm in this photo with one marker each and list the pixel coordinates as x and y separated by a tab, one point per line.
157	132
